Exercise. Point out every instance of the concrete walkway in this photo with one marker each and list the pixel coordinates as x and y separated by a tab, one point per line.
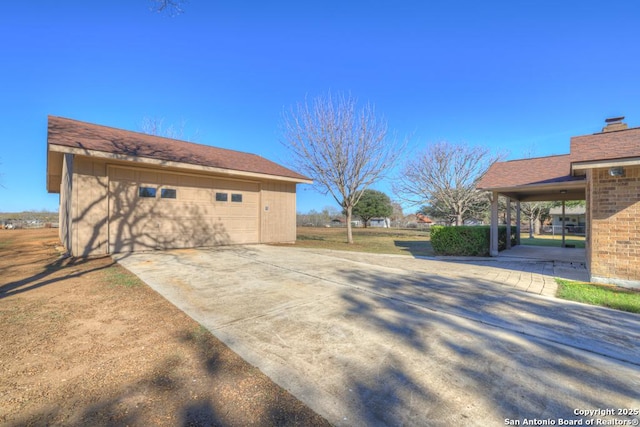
575	256
393	340
529	268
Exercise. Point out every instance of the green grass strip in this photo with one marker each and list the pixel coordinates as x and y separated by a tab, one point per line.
602	295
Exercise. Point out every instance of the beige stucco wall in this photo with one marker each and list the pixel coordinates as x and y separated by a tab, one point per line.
65	210
614	226
108	216
278	212
89	225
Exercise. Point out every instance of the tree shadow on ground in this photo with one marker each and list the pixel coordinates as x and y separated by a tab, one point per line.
527	358
416	248
56	269
229	392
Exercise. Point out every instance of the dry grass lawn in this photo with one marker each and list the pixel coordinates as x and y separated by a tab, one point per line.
372	240
84	342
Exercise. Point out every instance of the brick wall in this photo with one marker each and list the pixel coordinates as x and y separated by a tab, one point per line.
614	231
587	214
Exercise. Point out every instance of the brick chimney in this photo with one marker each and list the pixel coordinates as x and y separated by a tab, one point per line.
614	124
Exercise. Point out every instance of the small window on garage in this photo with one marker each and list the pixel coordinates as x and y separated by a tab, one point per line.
168	193
222	197
146	192
237	198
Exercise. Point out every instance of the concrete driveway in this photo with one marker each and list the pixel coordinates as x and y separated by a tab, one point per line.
390	340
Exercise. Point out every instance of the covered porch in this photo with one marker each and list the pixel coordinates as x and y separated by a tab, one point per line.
532	180
571	256
604	170
565	263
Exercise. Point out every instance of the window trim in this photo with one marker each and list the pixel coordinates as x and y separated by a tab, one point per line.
219	197
164	191
143	189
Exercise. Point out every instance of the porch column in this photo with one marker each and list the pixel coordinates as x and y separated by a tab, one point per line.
563	219
493	235
508	219
518	222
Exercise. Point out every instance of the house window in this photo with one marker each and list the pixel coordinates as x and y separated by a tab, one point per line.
236	198
146	192
168	193
221	197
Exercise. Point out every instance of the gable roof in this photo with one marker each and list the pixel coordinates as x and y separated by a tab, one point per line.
563	177
606	146
537	170
423	219
76	137
535	179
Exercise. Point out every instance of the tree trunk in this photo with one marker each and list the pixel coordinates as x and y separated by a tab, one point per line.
531	222
349	228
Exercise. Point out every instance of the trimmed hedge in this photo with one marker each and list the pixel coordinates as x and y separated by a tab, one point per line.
467	240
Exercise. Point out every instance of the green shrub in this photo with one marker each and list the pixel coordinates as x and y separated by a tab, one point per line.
467	240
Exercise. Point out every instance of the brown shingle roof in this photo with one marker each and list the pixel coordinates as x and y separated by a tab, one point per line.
76	134
538	170
606	146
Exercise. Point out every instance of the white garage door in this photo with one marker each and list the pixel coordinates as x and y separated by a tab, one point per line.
151	209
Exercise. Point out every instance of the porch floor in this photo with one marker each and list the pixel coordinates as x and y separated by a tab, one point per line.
545	253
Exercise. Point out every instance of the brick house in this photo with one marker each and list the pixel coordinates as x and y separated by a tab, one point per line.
604	170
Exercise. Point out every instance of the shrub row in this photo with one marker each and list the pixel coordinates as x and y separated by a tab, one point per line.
467	240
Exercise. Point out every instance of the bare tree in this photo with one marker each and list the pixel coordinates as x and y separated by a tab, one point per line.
444	177
397	214
534	212
155	126
342	148
171	7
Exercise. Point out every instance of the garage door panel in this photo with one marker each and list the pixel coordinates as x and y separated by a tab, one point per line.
169	179
191	219
200	195
194	181
147	176
229	185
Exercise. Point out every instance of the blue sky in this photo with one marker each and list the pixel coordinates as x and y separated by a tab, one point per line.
521	76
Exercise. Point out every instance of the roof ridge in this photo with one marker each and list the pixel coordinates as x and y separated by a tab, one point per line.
535	158
150	135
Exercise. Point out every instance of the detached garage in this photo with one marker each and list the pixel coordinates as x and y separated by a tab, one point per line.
123	191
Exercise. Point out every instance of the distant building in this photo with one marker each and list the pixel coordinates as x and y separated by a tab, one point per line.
574	219
380	222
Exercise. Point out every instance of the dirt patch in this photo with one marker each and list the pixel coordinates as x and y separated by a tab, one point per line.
84	342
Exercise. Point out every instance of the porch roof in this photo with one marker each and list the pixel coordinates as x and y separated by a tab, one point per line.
536	179
562	177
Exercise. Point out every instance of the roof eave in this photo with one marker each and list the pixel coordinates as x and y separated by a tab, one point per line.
178	165
573	183
561	190
579	168
54	160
